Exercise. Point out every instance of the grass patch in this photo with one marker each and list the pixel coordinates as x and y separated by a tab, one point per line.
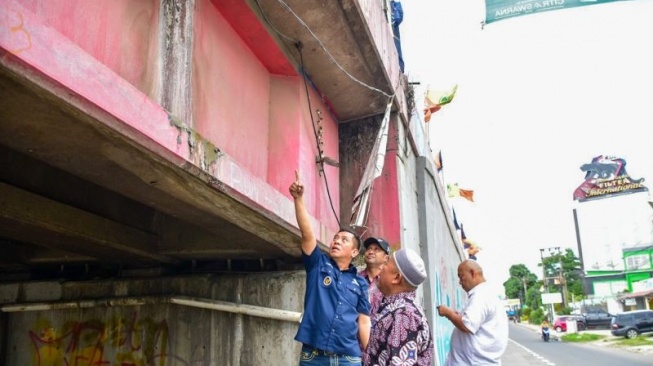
641	340
581	337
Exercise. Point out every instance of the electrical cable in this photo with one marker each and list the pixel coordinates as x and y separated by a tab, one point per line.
267	20
298	45
283	4
317	142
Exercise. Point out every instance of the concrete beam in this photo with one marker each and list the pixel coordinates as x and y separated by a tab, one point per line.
21	254
177	48
347	46
31	218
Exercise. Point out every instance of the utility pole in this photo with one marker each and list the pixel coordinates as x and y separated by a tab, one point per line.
523	297
563	281
560	276
546	284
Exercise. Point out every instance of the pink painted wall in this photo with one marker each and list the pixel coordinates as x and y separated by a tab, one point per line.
292	146
260	120
330	139
231	90
102	51
254	34
121	34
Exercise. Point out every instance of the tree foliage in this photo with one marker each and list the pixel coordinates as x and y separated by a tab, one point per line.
520	278
536	316
534	296
563	268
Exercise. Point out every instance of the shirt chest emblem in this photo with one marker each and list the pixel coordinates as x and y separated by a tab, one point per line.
327	281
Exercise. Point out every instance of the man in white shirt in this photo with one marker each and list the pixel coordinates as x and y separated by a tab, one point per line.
480	335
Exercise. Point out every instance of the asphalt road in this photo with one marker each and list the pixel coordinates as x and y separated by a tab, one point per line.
526	347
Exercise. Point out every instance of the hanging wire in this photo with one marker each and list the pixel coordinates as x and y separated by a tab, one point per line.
295	41
298	45
317	140
267	20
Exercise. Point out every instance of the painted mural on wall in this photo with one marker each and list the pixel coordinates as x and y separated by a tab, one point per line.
128	339
446	291
449	293
606	176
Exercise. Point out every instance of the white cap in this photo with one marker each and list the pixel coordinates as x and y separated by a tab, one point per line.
410	265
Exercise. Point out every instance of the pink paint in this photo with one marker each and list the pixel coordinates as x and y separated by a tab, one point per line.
121	34
233	92
251	31
292	146
55	57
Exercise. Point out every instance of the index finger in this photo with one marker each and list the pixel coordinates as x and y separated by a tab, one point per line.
296	176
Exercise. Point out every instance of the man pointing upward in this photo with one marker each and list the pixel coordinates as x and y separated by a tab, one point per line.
336	323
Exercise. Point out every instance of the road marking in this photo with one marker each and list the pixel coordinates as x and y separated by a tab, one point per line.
544	360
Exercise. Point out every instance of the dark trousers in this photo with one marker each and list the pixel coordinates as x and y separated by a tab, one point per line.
316	357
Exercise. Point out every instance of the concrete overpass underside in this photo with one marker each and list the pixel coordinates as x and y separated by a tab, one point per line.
85	193
77	196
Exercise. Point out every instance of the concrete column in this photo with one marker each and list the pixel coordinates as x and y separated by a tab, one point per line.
176	32
237	348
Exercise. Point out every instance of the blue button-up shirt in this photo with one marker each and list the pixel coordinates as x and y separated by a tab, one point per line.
332	303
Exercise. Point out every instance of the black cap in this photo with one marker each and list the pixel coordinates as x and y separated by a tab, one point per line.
378	241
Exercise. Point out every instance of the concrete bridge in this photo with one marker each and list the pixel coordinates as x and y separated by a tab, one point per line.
145	153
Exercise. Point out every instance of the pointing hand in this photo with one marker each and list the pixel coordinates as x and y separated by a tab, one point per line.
296	188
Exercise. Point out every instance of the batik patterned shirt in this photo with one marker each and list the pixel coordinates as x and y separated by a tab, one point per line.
375	294
400	335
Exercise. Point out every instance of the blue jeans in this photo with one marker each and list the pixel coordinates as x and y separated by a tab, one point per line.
315	357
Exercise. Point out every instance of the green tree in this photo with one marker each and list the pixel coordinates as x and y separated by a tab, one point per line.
564	268
534	296
521	278
536	316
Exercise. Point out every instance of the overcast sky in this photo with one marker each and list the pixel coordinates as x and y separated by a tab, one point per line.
538	96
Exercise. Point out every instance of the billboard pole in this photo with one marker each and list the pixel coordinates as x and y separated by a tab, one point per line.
578	243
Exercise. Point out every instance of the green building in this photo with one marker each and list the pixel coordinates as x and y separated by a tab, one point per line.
632	287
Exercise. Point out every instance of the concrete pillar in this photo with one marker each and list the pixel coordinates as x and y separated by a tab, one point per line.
176	32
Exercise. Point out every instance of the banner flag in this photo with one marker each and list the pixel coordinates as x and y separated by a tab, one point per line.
454	191
467	194
438	161
496	10
455	220
434	100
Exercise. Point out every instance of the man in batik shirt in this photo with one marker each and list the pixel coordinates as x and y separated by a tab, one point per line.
400	332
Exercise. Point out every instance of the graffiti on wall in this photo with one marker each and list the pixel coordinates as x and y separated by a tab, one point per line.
447	292
18	34
129	340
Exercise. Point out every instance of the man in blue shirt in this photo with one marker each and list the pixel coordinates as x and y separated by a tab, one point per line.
335	325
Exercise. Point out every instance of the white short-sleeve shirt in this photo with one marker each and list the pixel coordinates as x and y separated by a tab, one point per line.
485	317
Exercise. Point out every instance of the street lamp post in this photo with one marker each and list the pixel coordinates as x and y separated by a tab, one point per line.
544	281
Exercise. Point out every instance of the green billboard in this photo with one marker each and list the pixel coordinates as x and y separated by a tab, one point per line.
503	9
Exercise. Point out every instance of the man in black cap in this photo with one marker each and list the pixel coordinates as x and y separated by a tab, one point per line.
376	255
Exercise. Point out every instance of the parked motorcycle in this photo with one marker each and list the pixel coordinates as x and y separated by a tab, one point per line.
545	334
